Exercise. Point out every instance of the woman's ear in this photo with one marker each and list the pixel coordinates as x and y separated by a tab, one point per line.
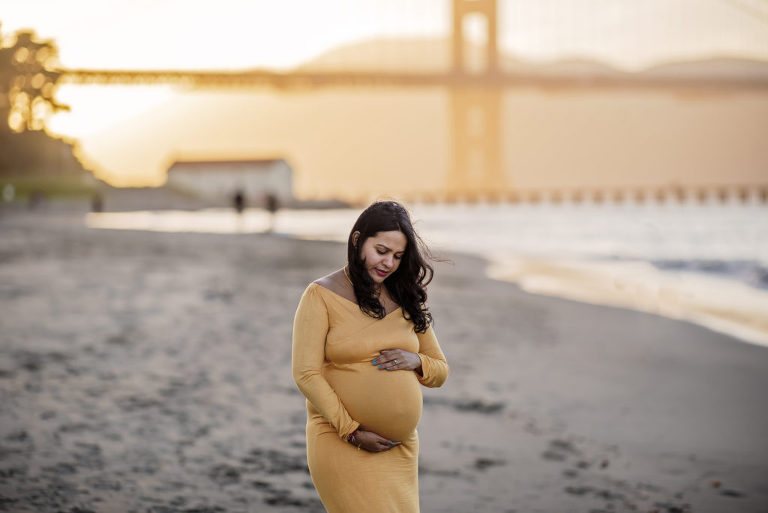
355	236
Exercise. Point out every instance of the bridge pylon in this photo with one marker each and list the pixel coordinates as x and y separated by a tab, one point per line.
476	166
461	10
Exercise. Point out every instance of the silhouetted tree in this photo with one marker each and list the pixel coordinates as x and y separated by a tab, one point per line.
28	78
6	78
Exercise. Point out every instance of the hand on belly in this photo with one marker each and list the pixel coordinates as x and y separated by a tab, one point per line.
385	402
398	359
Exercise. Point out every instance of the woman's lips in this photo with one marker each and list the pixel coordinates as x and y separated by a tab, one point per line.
380	273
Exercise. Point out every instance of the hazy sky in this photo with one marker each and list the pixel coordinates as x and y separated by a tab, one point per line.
284	33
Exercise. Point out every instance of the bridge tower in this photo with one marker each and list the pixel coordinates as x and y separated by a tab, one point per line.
462	10
476	160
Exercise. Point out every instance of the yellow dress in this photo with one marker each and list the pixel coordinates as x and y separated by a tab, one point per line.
334	343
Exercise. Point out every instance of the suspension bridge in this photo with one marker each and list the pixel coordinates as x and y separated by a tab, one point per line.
475	94
490	75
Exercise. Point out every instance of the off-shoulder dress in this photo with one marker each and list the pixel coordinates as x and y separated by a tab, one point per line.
334	343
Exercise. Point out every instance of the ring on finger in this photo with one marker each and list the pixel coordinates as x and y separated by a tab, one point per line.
395	361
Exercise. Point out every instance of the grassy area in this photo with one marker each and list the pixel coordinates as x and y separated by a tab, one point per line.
48	186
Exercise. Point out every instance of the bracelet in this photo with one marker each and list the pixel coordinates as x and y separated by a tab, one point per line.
351	437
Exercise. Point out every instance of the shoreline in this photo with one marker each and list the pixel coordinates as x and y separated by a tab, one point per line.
722	304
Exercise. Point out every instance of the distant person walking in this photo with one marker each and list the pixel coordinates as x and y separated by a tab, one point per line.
238	201
97	202
271	204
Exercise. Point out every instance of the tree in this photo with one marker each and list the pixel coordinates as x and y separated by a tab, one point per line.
28	78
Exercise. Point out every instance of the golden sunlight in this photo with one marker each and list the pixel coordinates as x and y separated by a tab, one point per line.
97	107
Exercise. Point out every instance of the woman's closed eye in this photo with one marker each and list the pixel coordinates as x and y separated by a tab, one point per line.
380	252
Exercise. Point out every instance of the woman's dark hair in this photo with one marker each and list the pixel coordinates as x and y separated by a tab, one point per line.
407	285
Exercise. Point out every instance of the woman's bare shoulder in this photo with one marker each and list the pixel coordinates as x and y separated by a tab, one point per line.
329	279
337	282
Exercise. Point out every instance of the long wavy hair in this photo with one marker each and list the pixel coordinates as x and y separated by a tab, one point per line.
407	285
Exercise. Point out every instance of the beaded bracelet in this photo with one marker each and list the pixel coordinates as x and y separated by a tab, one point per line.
353	440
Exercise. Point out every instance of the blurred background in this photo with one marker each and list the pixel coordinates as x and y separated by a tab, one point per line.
634	130
611	152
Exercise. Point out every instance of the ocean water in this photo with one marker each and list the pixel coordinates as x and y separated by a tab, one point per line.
727	240
703	263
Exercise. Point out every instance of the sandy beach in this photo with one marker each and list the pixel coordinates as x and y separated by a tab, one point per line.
150	372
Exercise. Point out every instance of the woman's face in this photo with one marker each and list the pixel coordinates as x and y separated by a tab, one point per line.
382	253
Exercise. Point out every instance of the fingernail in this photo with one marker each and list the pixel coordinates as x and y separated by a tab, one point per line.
391	443
373	362
379	367
389	368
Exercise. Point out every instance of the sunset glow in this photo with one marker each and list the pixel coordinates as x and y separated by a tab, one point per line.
94	108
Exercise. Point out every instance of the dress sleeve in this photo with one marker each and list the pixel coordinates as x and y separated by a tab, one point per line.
310	327
434	368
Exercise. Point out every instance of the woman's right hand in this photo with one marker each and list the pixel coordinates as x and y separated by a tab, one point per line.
372	442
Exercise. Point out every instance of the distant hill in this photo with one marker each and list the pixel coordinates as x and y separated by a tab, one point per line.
400	54
733	68
433	55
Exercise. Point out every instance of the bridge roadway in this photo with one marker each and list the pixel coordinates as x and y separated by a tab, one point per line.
323	79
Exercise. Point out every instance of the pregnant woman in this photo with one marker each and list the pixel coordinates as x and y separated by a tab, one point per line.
363	345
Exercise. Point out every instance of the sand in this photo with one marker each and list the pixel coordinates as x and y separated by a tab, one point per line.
146	371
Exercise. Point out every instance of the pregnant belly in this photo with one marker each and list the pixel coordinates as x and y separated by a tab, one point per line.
385	402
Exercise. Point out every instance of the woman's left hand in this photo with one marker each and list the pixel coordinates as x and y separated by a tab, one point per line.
397	359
